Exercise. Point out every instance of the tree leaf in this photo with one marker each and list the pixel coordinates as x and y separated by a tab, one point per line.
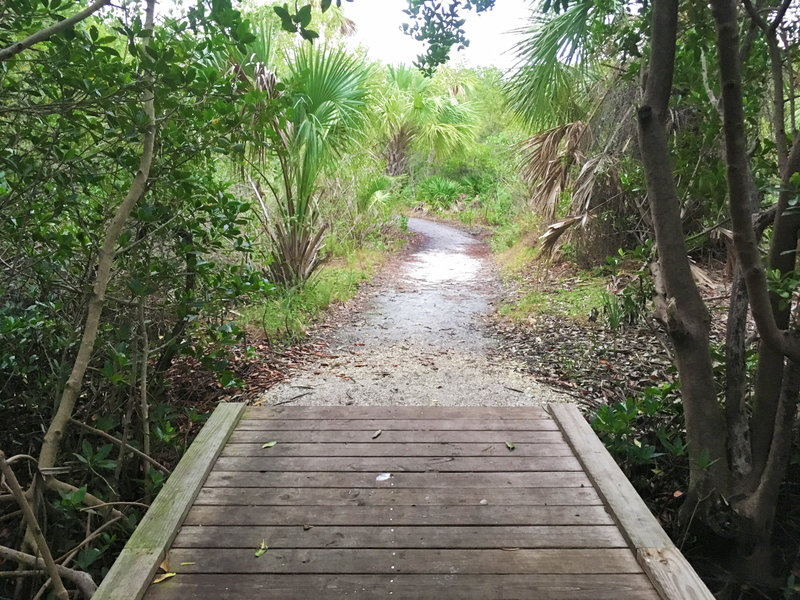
377	433
510	446
308	34
262	548
269	444
162	577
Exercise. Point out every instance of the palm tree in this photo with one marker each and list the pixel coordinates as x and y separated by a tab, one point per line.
328	91
413	112
300	127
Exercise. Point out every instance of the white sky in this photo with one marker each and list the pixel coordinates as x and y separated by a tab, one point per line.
379	21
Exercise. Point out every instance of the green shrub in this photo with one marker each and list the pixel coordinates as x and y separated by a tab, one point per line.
439	192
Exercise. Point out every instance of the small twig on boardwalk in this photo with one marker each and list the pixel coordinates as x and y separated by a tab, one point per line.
33	525
119	443
291	399
83	581
514	389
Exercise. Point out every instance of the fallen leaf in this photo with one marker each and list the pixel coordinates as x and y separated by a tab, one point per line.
163	576
269	444
677	494
164	566
261	548
307	527
510	446
186	564
377	433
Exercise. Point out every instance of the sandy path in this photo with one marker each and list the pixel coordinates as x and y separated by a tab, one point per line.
420	338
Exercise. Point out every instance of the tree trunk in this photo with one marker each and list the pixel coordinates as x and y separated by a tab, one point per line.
397	153
778	379
685	314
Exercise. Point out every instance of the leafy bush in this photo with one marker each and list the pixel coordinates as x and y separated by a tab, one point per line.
646	434
439	192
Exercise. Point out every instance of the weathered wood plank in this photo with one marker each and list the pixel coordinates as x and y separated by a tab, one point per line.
428	561
442	587
399	515
324	479
269	433
636	520
365	449
662	561
396	412
392	463
371	425
132	572
672	575
396	497
474	537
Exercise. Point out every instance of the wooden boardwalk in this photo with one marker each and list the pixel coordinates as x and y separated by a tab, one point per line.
403	502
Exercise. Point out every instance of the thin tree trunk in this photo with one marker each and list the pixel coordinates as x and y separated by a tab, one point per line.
55	432
144	404
736	417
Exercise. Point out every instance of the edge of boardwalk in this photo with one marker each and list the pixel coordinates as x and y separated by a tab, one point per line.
668	570
136	565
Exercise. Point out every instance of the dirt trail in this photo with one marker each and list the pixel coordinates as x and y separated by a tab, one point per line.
420	338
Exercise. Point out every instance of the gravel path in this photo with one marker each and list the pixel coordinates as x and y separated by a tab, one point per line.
420	338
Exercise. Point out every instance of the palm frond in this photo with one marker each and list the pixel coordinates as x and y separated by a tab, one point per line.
583	187
552	73
546	160
550	238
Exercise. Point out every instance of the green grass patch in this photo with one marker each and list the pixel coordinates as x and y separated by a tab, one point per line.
575	303
286	316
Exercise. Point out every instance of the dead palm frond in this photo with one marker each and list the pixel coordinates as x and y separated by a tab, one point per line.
583	188
549	239
546	160
581	208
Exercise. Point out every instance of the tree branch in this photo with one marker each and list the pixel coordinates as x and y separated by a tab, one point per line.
33	525
118	442
737	174
83	581
45	34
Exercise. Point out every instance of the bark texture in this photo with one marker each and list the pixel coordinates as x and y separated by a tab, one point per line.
685	314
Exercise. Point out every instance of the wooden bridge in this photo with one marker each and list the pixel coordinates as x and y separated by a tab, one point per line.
403	502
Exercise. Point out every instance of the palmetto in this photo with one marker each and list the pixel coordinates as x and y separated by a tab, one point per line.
322	113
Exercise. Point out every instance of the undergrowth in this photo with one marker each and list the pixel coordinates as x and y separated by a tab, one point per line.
284	318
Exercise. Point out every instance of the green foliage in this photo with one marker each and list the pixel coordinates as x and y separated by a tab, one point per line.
439	192
441	25
783	286
645	434
287	315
